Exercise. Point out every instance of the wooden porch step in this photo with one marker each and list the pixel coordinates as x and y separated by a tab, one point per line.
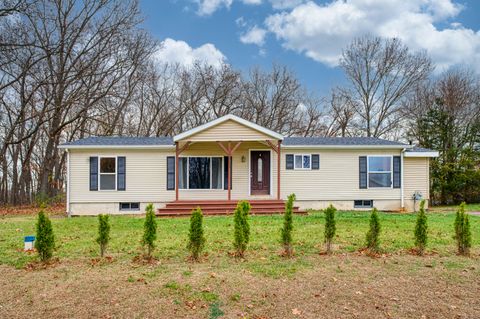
226	209
218	213
223	207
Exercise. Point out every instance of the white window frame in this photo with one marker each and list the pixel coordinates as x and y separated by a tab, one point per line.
188	174
302	168
99	173
384	172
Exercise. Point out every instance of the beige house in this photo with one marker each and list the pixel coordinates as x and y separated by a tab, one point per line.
230	159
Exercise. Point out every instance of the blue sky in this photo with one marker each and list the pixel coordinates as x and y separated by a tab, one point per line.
307	36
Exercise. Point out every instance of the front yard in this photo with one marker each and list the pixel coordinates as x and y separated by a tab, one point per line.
265	285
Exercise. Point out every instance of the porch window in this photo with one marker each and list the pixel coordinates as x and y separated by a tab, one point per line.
303	161
108	173
379	171
200	172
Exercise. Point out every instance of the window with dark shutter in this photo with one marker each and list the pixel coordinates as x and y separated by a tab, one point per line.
225	173
289	159
315	161
397	170
121	177
362	165
170	172
94	173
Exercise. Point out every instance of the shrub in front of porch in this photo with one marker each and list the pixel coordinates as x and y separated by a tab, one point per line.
463	235
149	230
288	226
45	240
196	239
373	234
330	227
103	233
421	229
242	228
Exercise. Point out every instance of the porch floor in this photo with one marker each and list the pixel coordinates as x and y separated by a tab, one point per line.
223	207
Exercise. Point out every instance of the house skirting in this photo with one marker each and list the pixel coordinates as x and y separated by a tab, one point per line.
86	209
384	204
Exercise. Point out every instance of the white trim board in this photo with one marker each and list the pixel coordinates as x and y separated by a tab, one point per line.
225	118
421	154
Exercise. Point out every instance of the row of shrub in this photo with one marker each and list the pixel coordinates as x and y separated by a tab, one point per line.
45	240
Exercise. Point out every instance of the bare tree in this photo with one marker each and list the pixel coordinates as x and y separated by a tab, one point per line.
382	73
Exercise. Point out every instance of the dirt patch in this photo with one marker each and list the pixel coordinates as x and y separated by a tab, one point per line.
54	210
338	286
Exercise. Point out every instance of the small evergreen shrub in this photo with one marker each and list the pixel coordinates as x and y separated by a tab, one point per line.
463	235
330	227
421	229
149	230
373	234
196	239
288	226
45	240
242	228
103	233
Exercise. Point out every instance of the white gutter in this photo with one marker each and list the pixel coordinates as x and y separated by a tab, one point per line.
347	146
402	197
422	154
68	183
140	147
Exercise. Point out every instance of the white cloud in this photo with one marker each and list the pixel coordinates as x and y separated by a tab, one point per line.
254	35
173	51
207	7
321	31
285	4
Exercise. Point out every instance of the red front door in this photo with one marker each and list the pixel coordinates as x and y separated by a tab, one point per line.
260	172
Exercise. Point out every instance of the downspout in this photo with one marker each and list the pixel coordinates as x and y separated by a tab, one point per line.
68	183
402	199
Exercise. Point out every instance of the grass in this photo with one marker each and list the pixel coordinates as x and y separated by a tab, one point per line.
75	238
264	285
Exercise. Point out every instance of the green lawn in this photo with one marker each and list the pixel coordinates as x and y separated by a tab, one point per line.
75	238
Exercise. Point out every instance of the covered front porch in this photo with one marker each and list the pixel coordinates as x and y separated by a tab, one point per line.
225	161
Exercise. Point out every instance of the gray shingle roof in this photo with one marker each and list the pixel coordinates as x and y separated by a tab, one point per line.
288	141
121	141
367	141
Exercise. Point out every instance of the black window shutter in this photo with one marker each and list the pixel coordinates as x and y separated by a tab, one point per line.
362	165
121	177
225	173
170	172
397	170
289	161
94	173
315	161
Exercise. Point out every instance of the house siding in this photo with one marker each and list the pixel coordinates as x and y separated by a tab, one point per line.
417	177
336	182
228	131
145	180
